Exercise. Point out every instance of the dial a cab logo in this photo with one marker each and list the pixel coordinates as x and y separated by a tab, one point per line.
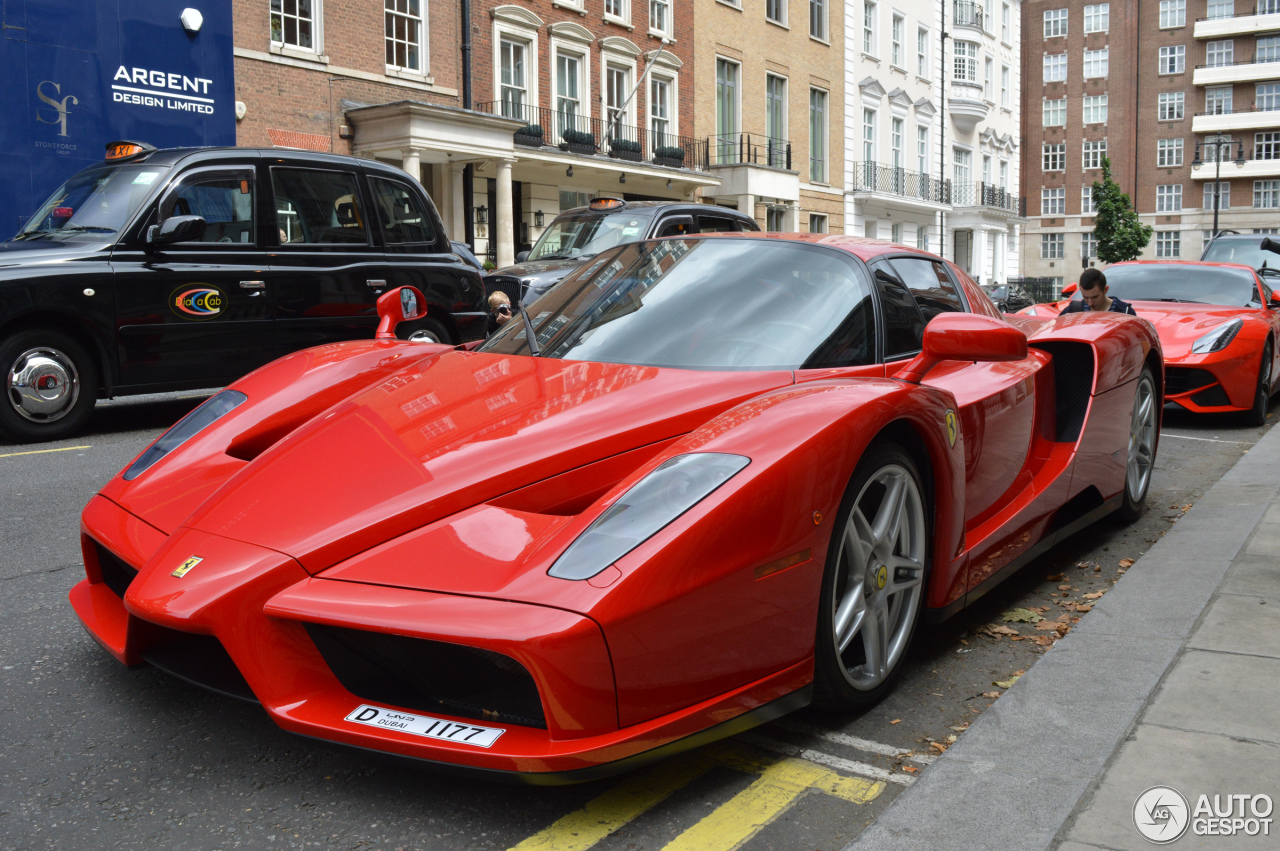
197	301
185	568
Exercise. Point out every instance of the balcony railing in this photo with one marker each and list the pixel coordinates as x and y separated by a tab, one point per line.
875	177
1264	8
1240	111
1254	60
967	14
982	194
746	149
583	134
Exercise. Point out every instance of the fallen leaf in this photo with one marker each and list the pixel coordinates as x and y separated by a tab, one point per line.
1044	640
910	769
1018	673
1094	595
1186	507
939	745
1021	616
1053	577
951	738
1003	630
1047	626
1071	606
1064	587
1084	609
1097	568
1064	628
1126	562
961	728
1007	683
896	721
991	694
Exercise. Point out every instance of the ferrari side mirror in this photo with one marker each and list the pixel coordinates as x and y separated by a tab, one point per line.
1275	300
1069	290
965	337
403	304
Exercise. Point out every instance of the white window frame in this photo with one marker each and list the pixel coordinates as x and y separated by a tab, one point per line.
1006	77
671	78
989	80
1092	153
1168	244
736	129
1088	244
1094	112
1173	59
1269	191
317	31
1005	16
423	43
1053	246
1267	143
1086	200
820	15
1053	156
1173	14
1171	106
870	28
1219	100
506	29
581	53
1221	9
617	61
1053	112
1097	63
1055	23
962	169
1218	54
1266	48
924	70
1266	96
825	179
669	29
784	6
1224	195
896	28
1057	63
1004	175
870	137
1169	198
924	147
624	18
818	223
1097	19
965	52
1169	153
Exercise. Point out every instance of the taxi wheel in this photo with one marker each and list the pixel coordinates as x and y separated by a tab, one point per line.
1262	393
426	330
874	583
50	385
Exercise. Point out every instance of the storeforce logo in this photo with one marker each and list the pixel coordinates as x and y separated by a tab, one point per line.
198	302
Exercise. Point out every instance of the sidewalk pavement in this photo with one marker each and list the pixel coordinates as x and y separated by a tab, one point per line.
1173	679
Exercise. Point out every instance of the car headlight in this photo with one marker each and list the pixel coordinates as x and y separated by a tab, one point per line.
644	510
1219	338
210	410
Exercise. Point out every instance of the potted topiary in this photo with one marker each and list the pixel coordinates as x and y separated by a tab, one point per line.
625	149
672	156
578	141
530	134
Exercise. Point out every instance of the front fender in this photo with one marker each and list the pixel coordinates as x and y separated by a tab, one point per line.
1120	344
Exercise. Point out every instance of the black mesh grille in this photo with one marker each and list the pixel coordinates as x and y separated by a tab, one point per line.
1073	385
431	676
1211	398
1180	379
116	572
503	283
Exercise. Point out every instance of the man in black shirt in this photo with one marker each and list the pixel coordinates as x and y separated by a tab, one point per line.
1093	292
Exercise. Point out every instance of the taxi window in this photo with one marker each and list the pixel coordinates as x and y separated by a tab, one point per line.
222	197
930	284
717	224
403	218
318	207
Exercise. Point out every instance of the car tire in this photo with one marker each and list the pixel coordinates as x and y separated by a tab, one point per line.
425	330
1144	427
874	583
50	384
1262	393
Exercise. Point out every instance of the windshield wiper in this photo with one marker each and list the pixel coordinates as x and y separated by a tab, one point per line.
550	257
528	330
32	234
86	229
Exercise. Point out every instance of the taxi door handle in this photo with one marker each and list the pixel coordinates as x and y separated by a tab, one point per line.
376	283
253	285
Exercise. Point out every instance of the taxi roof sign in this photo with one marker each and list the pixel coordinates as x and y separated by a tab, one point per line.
125	149
607	203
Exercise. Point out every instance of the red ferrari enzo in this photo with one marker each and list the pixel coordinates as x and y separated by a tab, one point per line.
1218	325
703	482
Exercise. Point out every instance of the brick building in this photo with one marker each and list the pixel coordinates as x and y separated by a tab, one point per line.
1150	84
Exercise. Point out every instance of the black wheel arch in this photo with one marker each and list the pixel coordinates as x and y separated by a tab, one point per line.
76	328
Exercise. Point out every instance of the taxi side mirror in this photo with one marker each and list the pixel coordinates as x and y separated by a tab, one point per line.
522	256
1070	290
964	337
403	304
176	229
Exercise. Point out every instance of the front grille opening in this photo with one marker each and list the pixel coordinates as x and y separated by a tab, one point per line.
1214	397
1073	384
199	659
430	676
1181	379
116	572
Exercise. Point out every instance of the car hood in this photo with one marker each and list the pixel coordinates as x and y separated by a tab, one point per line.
1179	325
449	433
26	253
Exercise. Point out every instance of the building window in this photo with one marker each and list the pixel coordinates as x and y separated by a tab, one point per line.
1086	200
617	85
1268	49
1222	8
922	238
1055	112
895	34
660	113
966	61
1171	106
660	15
961	168
1055	157
1218	53
726	110
986	168
922	149
514	81
1055	23
1217	100
293	23
1088	244
1169	198
1092	154
869	28
775	219
568	91
1266	194
1004	22
1051	246
1173	13
1055	68
1095	63
1267	96
817	223
776	11
1266	146
1095	109
1173	59
895	143
1168	244
775	117
1097	19
617	9
818	19
1168	153
404	34
1004	86
817	136
1268	7
868	135
988	80
1224	195
1053	202
922	53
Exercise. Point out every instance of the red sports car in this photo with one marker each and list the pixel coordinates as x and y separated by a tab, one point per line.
708	481
1218	325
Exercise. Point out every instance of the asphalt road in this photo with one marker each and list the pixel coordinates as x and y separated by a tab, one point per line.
98	756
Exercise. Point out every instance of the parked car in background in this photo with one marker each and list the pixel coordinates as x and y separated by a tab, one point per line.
1010	298
577	235
1258	251
160	270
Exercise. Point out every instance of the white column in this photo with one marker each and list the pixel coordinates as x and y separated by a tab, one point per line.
504	219
978	260
411	161
747	204
792	223
455	219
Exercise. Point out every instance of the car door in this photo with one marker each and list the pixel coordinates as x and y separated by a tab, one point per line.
197	313
326	272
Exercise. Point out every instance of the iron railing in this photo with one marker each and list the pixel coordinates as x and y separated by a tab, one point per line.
584	134
746	149
1264	8
982	194
1252	60
876	177
967	14
1242	109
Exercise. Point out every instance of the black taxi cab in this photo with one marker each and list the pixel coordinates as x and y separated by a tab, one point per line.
159	270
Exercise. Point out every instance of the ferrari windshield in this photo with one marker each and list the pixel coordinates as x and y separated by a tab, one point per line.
713	304
590	233
1182	282
94	204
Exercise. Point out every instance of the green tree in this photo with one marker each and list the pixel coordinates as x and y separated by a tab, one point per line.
1120	234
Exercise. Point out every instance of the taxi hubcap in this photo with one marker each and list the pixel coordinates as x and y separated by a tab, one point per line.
43	385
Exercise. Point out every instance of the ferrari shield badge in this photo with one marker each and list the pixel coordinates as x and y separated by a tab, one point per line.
185	568
952	426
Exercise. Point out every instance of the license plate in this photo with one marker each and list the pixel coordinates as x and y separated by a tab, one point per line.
425	725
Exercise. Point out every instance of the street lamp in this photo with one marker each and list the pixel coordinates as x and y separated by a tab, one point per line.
1217	141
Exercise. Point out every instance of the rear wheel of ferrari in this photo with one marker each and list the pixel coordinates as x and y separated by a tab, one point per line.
874	581
1142	446
1262	393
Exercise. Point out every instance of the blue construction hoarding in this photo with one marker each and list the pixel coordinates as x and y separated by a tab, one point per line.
77	74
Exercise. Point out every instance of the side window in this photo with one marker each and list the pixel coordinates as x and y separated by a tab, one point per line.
904	326
677	225
716	224
930	284
404	219
222	197
318	207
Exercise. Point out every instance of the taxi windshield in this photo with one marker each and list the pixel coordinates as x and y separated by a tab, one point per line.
590	233
94	204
